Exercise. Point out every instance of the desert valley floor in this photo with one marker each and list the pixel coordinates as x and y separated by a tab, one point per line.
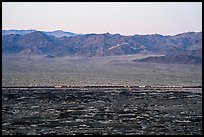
110	70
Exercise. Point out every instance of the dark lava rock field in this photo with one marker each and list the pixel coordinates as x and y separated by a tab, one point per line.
101	112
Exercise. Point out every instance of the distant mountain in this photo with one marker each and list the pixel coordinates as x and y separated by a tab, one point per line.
20	32
57	33
60	33
49	57
39	43
178	58
35	43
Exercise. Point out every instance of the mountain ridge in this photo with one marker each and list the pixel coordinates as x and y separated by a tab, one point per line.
56	33
105	44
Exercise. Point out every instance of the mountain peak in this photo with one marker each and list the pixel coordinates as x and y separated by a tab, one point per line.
36	34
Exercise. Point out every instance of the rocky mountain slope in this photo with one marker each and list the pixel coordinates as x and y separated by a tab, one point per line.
39	43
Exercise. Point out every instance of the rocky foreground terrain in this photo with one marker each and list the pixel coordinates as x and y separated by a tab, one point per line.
102	111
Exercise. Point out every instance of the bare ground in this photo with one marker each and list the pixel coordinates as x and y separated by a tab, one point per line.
113	70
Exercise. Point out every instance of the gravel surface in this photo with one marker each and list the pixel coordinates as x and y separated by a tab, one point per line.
101	112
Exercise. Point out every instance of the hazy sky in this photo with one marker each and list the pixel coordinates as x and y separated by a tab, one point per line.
167	18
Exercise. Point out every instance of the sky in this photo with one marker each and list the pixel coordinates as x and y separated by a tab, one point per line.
125	18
